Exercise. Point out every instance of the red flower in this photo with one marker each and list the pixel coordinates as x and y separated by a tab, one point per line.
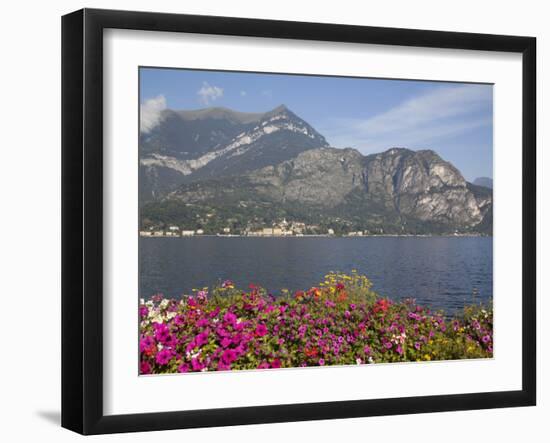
382	305
342	296
311	352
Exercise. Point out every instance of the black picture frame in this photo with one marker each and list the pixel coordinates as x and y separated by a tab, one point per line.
82	220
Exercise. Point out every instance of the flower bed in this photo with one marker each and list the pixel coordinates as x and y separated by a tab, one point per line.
341	322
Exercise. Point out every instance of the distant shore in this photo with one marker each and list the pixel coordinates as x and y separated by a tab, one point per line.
315	235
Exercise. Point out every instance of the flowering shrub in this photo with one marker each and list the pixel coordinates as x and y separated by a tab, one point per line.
341	322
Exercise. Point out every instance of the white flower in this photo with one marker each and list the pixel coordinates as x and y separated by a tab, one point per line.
358	361
157	317
164	303
371	360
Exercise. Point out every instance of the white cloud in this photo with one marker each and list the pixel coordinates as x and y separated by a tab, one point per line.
267	93
151	113
208	93
243	93
440	113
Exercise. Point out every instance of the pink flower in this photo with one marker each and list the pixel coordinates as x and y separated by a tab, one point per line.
145	368
202	338
230	318
161	332
321	362
196	364
261	330
184	367
229	356
147	343
215	312
223	366
163	357
202	322
171	341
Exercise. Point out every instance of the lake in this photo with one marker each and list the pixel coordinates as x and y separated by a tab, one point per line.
440	272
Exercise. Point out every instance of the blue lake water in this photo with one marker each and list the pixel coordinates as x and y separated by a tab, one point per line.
440	272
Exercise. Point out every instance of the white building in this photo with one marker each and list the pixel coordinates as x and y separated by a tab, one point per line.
187	233
200	231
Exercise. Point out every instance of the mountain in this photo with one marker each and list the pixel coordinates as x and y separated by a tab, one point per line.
484	181
195	145
398	191
250	171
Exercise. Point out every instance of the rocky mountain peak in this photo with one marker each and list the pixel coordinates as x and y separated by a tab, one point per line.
281	109
219	113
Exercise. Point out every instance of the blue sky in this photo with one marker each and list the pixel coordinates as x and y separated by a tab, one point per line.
371	115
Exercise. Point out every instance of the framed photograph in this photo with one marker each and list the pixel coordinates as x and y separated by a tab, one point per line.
269	221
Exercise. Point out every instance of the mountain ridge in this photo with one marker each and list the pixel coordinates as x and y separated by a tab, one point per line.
180	149
486	182
280	167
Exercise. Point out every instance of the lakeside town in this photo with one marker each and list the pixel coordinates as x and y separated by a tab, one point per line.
280	229
283	228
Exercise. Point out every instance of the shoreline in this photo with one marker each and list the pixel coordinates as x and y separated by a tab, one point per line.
321	236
